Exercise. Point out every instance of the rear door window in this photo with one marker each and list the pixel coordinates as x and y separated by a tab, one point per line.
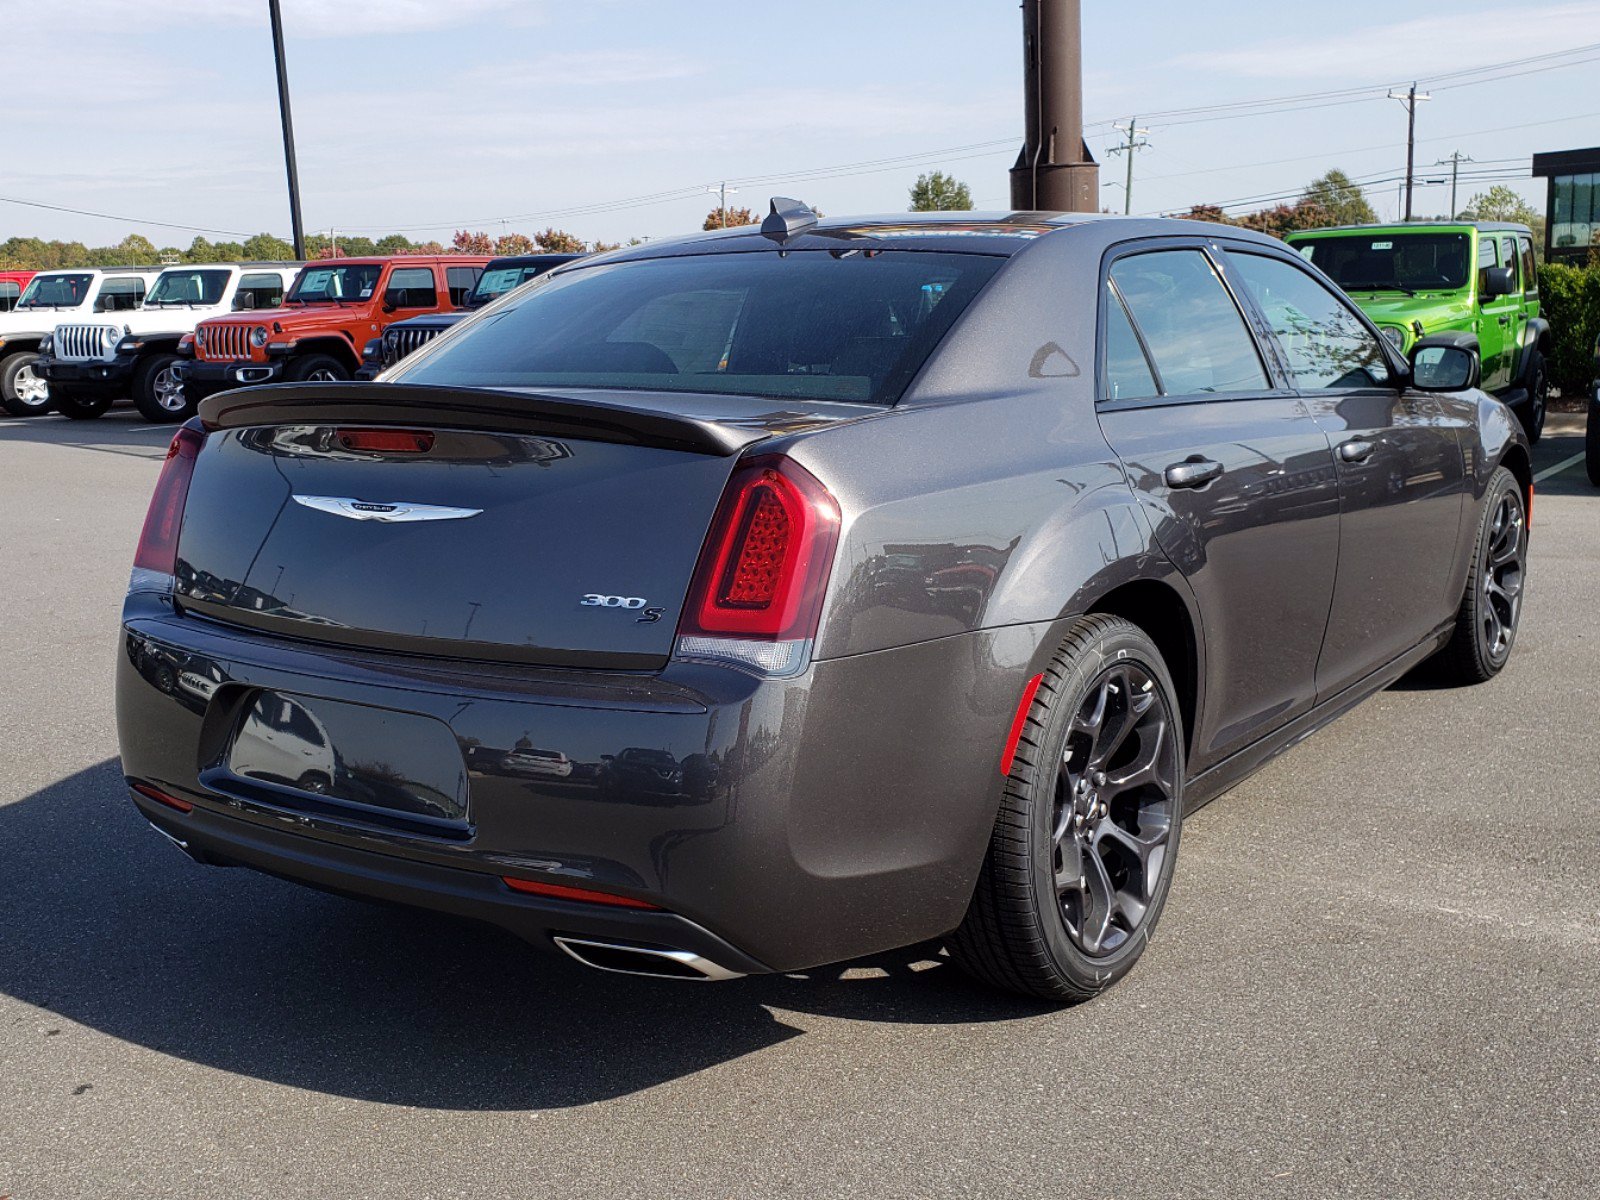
1530	269
1128	372
461	280
1197	337
1510	257
1326	344
120	293
1487	258
10	290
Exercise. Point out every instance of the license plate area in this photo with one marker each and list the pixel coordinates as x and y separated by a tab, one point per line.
349	761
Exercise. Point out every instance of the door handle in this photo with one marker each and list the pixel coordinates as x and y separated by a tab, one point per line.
1192	473
1356	450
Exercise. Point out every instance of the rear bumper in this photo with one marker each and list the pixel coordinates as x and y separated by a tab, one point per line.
94	378
808	820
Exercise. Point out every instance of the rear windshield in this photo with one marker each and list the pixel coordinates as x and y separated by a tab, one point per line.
814	324
1394	262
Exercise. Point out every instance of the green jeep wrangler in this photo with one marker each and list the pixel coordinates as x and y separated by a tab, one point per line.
1449	277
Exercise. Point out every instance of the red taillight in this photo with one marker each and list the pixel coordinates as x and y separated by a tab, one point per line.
158	544
386	441
765	565
160	797
559	892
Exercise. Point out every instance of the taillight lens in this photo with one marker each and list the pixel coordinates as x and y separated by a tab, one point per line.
758	589
156	560
386	441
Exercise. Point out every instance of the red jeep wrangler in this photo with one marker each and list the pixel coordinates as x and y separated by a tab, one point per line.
12	284
334	309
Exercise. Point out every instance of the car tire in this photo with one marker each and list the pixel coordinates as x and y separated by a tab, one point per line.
317	368
1538	402
1591	441
22	393
80	408
1486	623
158	393
1081	859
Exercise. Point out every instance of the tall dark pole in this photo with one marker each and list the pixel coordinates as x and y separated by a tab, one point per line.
288	130
1411	144
1055	169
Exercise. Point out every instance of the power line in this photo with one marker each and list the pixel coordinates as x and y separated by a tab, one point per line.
84	212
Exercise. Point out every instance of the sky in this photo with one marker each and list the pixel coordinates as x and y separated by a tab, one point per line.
611	118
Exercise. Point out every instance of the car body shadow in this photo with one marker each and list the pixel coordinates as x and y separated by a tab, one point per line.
106	924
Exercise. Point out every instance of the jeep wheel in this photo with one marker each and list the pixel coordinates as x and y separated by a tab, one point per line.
158	392
23	393
1533	412
317	368
80	408
1083	849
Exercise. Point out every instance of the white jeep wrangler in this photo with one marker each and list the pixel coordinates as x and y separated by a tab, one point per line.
51	298
87	366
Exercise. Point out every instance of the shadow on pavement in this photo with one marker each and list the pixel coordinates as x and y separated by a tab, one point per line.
106	924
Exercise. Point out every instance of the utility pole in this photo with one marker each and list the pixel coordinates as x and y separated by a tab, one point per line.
1055	169
721	192
1136	142
288	129
1409	98
1455	160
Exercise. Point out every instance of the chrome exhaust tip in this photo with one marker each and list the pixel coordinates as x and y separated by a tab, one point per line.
621	958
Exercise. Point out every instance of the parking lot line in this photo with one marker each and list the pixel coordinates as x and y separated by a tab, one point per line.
1559	467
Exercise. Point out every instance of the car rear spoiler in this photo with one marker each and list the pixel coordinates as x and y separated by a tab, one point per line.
491	410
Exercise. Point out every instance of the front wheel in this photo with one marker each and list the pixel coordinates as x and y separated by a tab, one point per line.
1533	412
317	368
1486	623
158	391
1083	850
23	392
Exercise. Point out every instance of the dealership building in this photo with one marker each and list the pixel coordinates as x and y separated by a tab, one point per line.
1572	222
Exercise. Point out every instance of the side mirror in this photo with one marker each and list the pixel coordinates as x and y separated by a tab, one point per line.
390	302
1497	282
1445	364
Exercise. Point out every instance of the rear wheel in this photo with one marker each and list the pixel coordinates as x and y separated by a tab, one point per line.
158	391
1486	623
22	392
1083	850
317	368
80	408
1533	412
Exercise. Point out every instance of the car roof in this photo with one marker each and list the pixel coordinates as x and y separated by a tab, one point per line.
997	233
532	260
1416	227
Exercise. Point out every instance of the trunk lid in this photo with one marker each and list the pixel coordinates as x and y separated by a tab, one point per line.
553	529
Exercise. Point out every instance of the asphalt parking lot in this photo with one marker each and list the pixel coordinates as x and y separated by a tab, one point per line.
1379	974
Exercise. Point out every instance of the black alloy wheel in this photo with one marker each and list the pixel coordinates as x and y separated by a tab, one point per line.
1086	838
1491	609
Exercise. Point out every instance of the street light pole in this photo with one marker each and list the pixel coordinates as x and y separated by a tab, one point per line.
288	130
1054	169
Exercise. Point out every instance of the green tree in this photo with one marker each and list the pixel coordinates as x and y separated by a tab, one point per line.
558	241
1287	218
1341	199
938	192
394	243
732	219
1500	203
267	247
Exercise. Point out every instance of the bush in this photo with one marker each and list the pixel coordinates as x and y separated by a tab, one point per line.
1569	298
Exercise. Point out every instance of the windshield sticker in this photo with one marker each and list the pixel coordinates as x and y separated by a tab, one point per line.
1383	245
366	292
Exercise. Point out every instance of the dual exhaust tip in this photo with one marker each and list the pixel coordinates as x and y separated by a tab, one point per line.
624	958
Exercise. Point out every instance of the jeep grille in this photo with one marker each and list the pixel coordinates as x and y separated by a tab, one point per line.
398	343
226	340
86	341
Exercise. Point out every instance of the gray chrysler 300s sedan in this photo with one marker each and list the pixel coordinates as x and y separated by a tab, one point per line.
775	596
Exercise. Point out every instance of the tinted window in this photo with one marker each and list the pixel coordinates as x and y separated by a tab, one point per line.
1530	270
119	294
411	287
1128	374
1486	259
461	281
1391	261
1509	258
811	323
1326	344
1195	333
260	289
9	291
52	291
189	287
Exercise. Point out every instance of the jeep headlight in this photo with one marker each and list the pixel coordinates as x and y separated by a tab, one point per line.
258	336
200	337
1395	336
109	337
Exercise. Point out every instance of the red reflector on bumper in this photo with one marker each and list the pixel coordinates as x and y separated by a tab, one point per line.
1018	722
557	892
160	797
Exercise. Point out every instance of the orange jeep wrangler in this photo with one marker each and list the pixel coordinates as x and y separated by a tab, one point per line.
334	309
